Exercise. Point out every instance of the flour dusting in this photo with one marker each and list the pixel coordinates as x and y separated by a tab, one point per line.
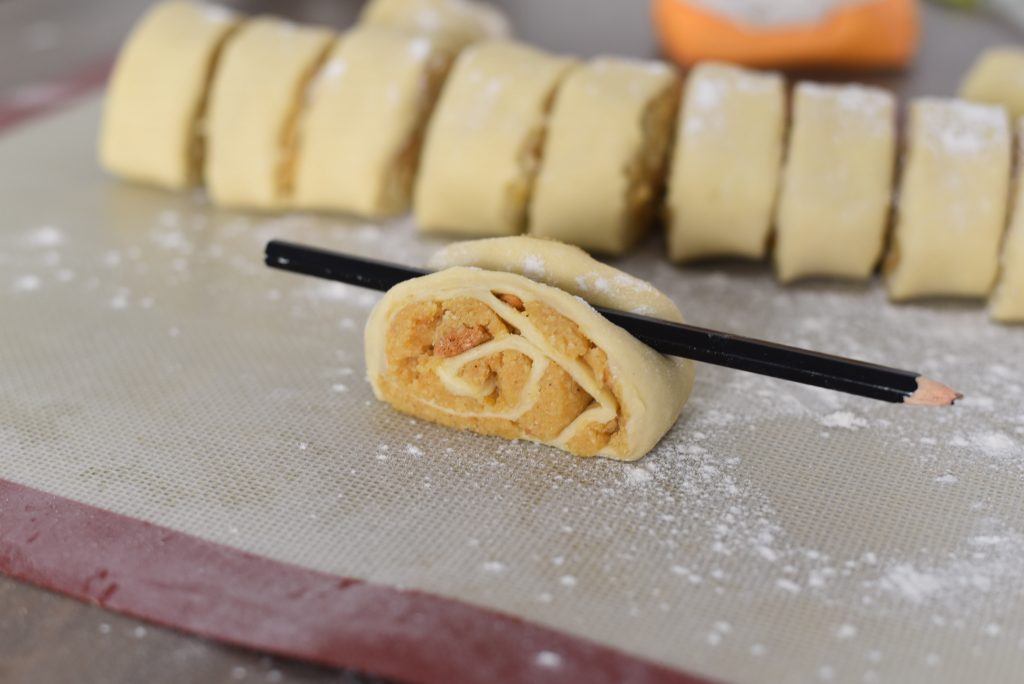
845	420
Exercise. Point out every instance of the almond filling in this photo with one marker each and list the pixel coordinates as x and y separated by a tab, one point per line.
501	364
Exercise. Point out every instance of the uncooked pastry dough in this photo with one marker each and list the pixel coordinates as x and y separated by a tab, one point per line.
254	104
501	354
836	184
456	23
997	77
953	198
725	168
563	266
1007	305
157	92
360	135
485	140
604	160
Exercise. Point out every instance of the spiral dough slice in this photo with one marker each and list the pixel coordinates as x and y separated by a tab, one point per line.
501	354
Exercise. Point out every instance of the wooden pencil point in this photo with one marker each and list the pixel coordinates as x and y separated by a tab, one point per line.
931	393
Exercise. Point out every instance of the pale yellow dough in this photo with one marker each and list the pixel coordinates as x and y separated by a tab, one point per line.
446	347
566	267
485	140
836	184
604	160
360	134
725	168
952	204
453	23
255	100
1007	303
157	92
997	77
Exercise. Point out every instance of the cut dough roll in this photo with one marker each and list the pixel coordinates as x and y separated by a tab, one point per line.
1007	303
604	160
725	168
997	77
836	185
254	105
497	353
485	140
360	135
953	199
157	92
455	23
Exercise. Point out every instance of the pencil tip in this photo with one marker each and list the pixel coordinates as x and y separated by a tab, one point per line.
931	393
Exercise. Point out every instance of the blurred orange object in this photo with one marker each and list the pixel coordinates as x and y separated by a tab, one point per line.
875	34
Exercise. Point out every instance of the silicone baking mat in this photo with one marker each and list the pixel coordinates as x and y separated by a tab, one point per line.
152	367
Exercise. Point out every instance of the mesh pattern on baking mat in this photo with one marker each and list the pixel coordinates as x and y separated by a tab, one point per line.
153	366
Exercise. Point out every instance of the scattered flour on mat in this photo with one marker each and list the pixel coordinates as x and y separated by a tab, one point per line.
990	560
845	631
172	240
45	236
635	475
27	283
997	444
845	420
548	659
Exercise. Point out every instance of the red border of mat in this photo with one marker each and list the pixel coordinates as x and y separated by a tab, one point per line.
51	95
174	579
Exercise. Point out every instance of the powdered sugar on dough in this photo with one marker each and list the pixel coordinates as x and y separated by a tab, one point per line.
598	284
965	128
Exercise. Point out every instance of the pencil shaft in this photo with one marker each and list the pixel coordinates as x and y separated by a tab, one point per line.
676	339
768	358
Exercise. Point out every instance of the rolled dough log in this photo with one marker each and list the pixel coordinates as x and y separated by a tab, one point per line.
157	93
997	77
255	100
360	135
953	199
485	140
455	23
1007	304
836	184
604	161
725	167
497	353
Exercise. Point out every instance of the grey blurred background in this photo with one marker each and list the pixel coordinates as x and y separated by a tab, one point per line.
42	40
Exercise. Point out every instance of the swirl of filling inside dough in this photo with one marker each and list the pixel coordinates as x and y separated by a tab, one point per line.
500	354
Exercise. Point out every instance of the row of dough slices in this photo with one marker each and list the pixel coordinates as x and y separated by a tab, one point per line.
271	115
268	114
523	141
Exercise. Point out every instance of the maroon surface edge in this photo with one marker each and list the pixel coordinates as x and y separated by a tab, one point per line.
48	96
196	586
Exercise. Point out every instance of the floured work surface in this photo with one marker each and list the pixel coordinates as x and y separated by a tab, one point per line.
153	366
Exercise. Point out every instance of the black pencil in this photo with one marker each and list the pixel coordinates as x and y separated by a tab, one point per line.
676	339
